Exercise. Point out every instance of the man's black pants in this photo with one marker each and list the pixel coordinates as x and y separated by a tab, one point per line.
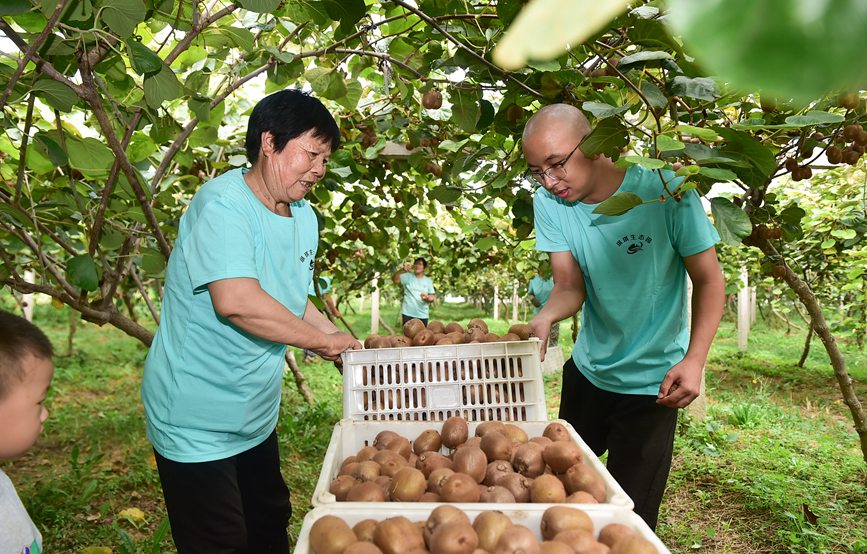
235	505
406	318
637	432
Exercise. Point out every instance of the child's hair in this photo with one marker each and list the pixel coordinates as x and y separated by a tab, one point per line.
18	337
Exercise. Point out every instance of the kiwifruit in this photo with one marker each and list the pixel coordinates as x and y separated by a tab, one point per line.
460	487
489	525
487	426
861	139
472	461
398	535
515	433
474	335
496	494
401	445
383	456
349	468
518	485
366	471
581	497
368	342
362	547
456	336
407	485
544	441
478	324
377	342
562	455
348	460
383	481
581	478
437	478
431	461
364	529
561	518
440	516
454	327
848	100
453	537
472	442
427	441
522	330
436	326
496	446
423	338
613	533
413	327
429	496
635	544
851	156
432	99
547	489
556	432
497	469
579	540
527	459
366	492
400	341
491	337
445	340
330	535
514	113
454	432
412	459
556	547
517	539
340	485
834	154
366	453
510	337
850	132
383	438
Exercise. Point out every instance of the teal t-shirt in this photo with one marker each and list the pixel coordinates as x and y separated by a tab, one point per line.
634	320
413	288
211	390
541	289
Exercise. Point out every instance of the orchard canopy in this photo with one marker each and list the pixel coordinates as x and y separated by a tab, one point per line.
116	111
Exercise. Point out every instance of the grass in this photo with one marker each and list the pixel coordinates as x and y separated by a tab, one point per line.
774	467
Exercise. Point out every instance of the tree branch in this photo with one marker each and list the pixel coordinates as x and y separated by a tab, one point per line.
430	21
31	51
22	152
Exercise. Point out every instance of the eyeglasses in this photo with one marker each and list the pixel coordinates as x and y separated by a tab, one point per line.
557	171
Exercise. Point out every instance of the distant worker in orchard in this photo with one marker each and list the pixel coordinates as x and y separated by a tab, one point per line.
539	290
635	361
418	291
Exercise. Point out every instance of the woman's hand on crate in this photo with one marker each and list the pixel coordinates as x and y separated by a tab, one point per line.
336	344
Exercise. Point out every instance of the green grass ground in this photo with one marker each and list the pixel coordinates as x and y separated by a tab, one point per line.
775	467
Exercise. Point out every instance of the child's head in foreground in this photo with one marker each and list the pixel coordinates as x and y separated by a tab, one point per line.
26	370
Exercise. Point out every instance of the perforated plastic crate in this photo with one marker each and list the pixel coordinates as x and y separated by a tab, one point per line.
601	516
485	381
350	436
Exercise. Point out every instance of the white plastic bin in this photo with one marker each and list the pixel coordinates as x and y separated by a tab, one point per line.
350	436
499	381
601	515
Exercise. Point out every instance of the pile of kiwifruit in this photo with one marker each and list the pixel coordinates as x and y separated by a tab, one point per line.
416	334
448	530
499	464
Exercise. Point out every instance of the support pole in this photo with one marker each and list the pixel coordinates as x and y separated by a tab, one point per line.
374	307
743	311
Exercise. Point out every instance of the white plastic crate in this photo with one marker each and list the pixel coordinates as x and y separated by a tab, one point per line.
601	515
499	381
350	436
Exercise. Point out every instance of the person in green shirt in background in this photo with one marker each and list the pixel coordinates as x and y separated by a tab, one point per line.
539	290
418	290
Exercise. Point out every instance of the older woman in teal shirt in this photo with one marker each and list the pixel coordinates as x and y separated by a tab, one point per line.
235	297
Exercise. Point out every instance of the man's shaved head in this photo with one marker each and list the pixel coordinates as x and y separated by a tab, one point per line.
557	115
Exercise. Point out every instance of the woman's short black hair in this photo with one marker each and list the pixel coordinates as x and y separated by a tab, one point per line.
288	114
422	260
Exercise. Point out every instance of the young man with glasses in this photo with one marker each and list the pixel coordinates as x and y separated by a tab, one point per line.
635	361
